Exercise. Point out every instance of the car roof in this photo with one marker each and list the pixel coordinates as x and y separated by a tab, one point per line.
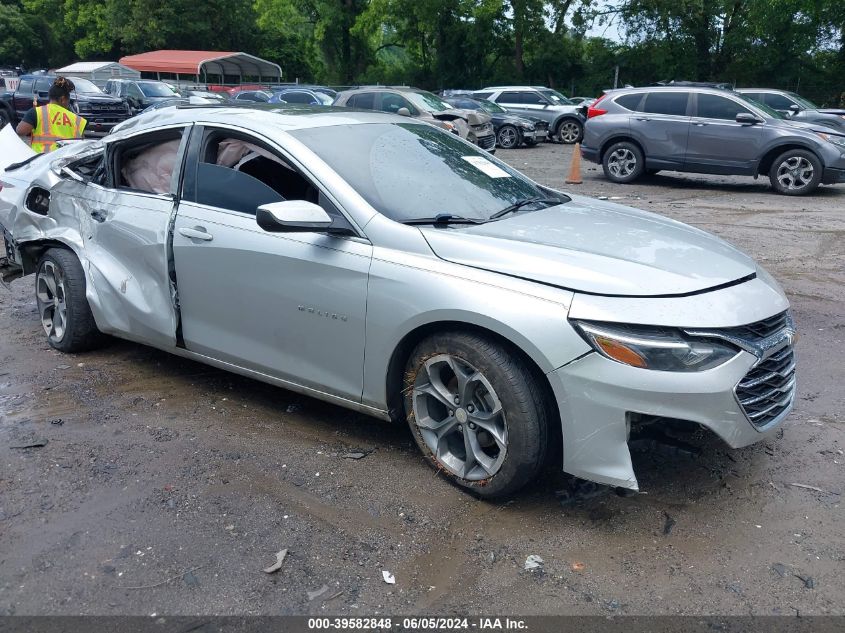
385	88
675	88
261	118
511	88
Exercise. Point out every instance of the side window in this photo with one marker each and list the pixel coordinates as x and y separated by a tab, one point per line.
716	107
510	97
25	86
239	173
91	168
392	103
135	92
630	102
673	103
533	98
146	163
778	102
363	100
43	85
482	95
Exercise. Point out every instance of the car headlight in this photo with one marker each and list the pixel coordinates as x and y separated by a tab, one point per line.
660	349
833	138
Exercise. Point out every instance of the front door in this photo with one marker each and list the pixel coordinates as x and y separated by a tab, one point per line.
717	143
288	305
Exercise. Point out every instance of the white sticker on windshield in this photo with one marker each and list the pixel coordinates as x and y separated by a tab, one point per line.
482	164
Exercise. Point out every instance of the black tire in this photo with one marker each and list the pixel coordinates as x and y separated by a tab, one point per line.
796	172
79	332
509	137
525	410
569	131
623	162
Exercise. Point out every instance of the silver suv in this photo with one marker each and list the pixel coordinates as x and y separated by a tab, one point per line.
796	107
566	124
635	131
475	127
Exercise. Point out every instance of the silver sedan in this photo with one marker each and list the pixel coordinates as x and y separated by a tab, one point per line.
392	268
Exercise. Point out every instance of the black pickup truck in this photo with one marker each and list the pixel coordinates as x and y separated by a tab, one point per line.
102	111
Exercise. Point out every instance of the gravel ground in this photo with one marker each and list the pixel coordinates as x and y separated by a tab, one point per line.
165	486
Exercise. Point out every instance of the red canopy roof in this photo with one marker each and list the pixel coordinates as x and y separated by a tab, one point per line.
199	62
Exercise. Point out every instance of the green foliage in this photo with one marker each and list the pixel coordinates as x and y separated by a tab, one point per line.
459	43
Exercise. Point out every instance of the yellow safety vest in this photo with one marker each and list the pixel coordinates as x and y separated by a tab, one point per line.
54	123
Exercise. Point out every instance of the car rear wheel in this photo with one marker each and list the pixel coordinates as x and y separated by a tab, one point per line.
570	131
509	137
62	306
623	162
796	172
476	413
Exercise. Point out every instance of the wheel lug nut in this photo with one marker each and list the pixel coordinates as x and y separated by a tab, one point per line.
470	408
472	426
451	413
460	427
457	400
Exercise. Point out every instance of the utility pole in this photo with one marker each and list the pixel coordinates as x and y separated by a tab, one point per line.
616	78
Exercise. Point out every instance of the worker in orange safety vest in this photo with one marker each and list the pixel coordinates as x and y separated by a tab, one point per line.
53	122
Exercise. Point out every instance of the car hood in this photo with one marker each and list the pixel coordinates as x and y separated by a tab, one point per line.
595	247
91	97
470	116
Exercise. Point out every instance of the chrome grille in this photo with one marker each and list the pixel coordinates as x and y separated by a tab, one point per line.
761	329
768	388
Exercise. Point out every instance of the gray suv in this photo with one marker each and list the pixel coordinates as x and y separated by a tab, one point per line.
566	124
708	131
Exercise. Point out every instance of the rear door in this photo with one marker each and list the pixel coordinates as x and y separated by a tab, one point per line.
287	305
717	143
661	124
124	215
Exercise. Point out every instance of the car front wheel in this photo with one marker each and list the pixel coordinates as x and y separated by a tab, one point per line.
509	137
476	413
796	172
623	162
570	131
60	296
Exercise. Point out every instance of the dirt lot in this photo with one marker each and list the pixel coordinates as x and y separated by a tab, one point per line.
166	486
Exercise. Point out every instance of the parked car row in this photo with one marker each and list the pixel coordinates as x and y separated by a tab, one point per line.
712	130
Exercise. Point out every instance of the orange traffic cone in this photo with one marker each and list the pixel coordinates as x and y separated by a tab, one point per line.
574	177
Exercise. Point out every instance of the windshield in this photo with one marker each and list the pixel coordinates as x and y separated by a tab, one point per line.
83	86
427	102
555	97
771	112
805	103
155	89
489	106
412	170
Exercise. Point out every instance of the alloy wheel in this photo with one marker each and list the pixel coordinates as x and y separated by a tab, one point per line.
460	417
508	137
50	296
794	173
622	163
569	132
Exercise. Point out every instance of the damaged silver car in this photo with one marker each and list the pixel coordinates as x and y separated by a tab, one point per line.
508	324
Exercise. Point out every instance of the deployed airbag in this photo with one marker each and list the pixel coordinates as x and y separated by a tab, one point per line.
152	169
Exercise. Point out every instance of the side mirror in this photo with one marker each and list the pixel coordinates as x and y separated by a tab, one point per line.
292	216
403	112
746	118
795	108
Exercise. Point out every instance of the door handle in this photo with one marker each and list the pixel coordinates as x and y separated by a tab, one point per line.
699	123
99	215
197	233
643	118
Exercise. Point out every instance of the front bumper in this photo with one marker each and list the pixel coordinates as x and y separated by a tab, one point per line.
537	134
597	396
